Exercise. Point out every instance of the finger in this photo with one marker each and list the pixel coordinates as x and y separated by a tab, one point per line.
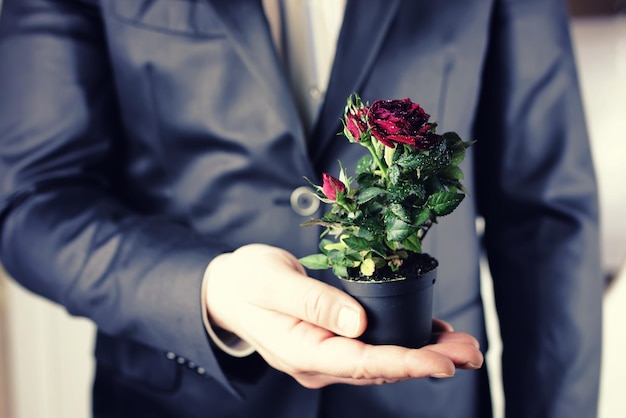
463	355
317	381
455	337
367	364
393	362
440	325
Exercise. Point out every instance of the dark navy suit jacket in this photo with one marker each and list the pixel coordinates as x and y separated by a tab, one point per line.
141	138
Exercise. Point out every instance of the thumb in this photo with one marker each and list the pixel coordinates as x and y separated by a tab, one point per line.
332	309
280	284
318	303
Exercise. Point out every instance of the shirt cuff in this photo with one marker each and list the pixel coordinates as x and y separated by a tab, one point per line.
224	340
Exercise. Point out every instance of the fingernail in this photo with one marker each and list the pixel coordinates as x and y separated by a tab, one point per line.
348	321
473	365
441	375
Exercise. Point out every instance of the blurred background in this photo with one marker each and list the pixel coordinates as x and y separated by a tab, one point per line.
46	363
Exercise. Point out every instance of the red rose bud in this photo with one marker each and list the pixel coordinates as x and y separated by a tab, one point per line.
356	124
331	186
398	121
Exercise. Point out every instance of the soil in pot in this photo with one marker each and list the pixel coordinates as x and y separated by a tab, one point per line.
414	266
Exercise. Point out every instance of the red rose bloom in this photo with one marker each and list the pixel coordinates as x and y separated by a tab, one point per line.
401	121
331	186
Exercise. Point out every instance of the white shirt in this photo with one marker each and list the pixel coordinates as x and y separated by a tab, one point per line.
305	33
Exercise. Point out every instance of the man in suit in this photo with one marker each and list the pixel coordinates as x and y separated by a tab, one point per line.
142	141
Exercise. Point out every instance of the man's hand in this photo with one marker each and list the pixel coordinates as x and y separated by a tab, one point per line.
306	328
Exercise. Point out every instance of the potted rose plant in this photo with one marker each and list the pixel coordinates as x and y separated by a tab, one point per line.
379	218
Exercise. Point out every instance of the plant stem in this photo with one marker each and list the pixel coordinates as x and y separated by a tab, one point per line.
380	163
425	228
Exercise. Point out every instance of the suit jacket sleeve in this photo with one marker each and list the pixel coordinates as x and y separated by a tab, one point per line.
537	192
65	234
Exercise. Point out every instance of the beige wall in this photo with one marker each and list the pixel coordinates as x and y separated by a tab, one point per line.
4	411
50	362
4	377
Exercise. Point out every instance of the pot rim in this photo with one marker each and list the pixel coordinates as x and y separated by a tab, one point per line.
390	287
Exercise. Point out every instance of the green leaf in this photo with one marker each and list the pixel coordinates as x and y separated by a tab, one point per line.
397	230
336	258
334	246
368	267
452	172
365	195
351	258
379	262
341	199
409	161
340	271
400	212
458	155
454	186
434	185
364	233
365	164
462	188
346	262
453	141
315	262
324	243
365	180
379	248
343	176
394	173
457	147
443	203
314	222
413	243
422	217
318	192
429	160
356	243
416	190
452	138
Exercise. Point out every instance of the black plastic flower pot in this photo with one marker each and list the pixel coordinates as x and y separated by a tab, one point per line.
399	311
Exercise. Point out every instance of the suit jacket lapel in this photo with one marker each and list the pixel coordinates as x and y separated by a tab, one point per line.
365	25
362	34
247	27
